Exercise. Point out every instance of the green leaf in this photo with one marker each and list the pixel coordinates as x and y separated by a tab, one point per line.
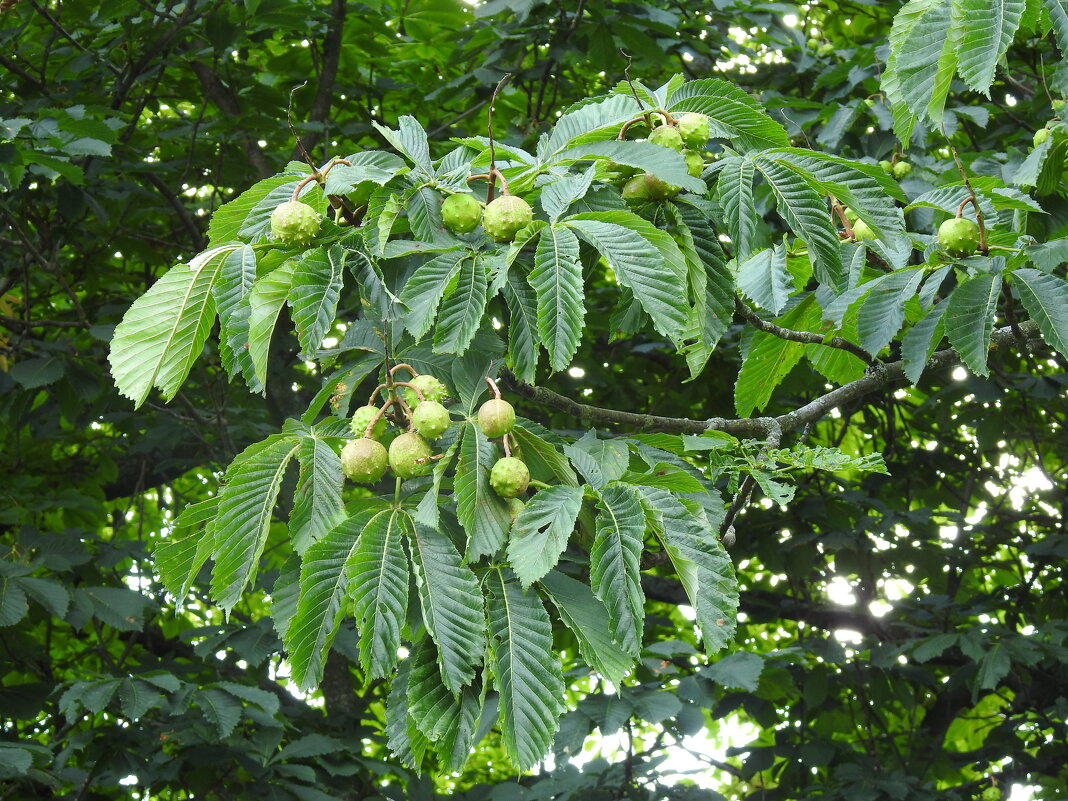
639	264
702	564
182	553
231	289
376	166
732	113
13	605
410	139
164	331
764	279
244	519
220	708
807	215
452	603
284	595
587	618
137	697
614	563
989	30
313	294
526	669
481	511
663	162
322	589
734	194
266	299
737	671
317	505
52	595
1045	297
541	531
448	722
557	280
462	308
423	291
378	575
922	60
882	312
405	741
522	328
592	122
1058	17
969	319
118	607
920	342
542	457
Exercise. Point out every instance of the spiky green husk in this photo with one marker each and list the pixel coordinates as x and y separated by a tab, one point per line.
431	419
695	129
506	216
666	136
362	418
431	388
509	477
647	187
294	223
959	237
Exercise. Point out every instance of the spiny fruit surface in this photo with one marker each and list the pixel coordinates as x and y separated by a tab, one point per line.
409	455
461	213
362	418
887	166
959	237
496	417
666	136
694	129
851	216
902	169
695	165
294	223
506	216
431	388
364	460
648	187
509	477
431	419
1041	135
862	231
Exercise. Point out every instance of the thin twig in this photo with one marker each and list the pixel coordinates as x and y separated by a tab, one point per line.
807	337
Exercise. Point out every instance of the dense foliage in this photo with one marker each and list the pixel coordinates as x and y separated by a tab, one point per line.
791	400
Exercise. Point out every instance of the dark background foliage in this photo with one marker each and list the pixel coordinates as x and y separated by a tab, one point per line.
124	123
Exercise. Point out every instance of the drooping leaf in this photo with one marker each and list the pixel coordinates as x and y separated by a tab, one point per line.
481	511
920	341
1045	297
526	670
734	194
587	618
969	319
314	293
164	331
990	29
462	308
317	505
245	507
452	605
557	281
180	554
614	563
423	291
266	300
377	582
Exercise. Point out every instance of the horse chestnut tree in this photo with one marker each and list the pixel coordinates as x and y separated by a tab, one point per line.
401	304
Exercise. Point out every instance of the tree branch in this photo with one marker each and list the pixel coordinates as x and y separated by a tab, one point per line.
880	377
807	337
324	95
226	101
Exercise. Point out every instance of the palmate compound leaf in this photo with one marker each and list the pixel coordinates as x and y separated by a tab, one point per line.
541	531
452	605
615	563
244	518
324	580
703	566
164	331
314	293
526	669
